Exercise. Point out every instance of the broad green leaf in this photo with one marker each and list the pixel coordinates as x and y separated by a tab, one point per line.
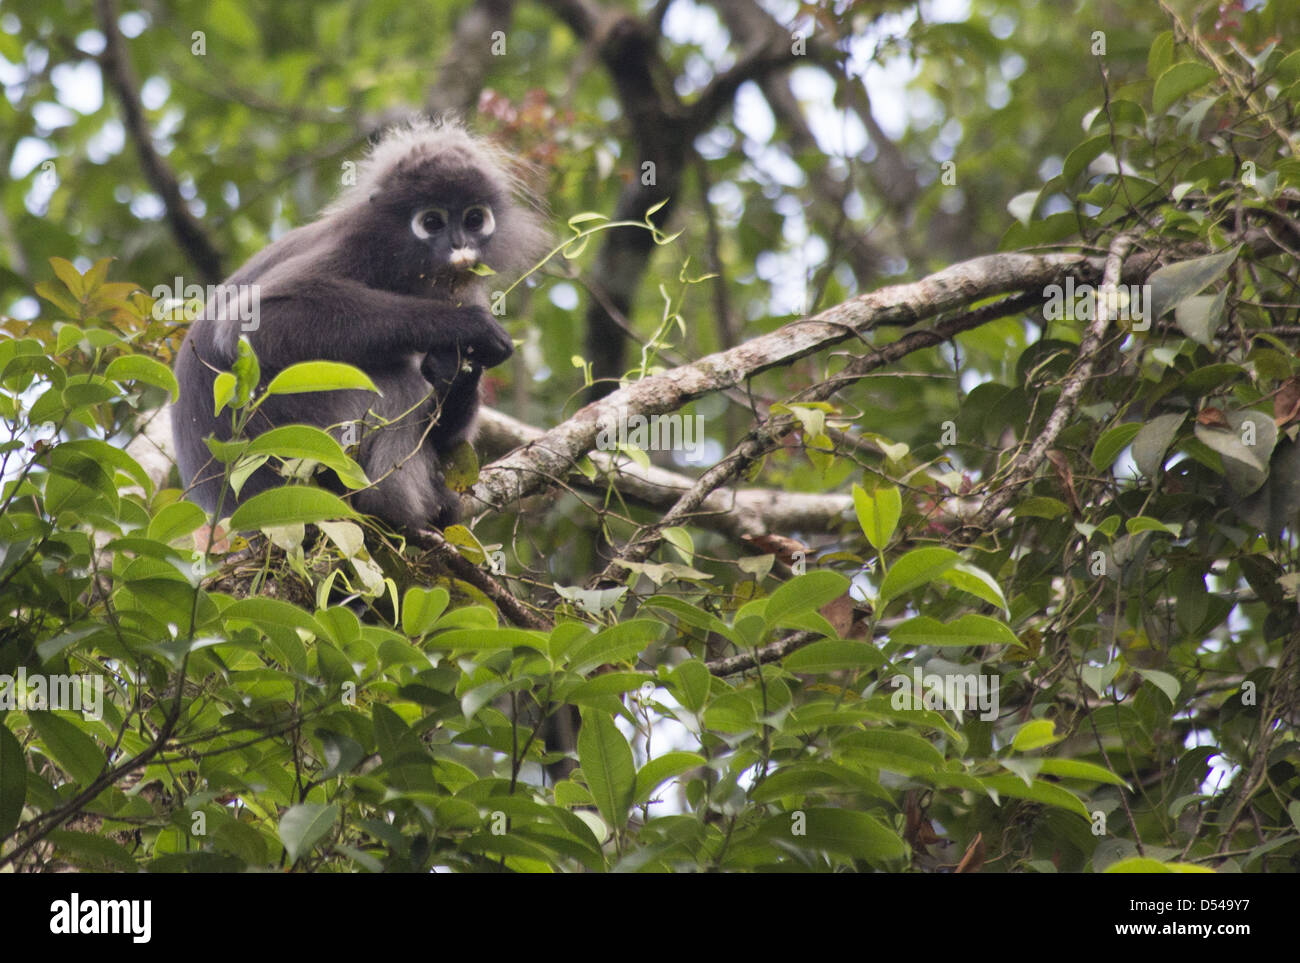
977	582
319	376
845	832
691	680
618	643
305	441
804	593
488	640
274	613
1050	794
1078	769
878	513
606	761
138	367
1144	864
1035	734
303	825
690	614
176	521
1111	443
1171	285
1041	506
421	608
1163	681
283	506
77	753
662	768
969	629
1178	80
918	567
1153	440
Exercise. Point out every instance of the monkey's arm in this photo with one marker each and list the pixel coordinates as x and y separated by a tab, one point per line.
336	319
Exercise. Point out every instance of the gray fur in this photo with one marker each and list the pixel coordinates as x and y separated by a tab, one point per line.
360	286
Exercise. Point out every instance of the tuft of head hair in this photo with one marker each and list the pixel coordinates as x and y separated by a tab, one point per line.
414	142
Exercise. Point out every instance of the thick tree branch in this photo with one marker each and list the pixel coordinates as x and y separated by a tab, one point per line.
530	469
735	512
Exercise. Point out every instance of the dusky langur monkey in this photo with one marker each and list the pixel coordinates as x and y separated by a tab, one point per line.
383	280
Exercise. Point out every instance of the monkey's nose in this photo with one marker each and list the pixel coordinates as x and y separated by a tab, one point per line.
464	258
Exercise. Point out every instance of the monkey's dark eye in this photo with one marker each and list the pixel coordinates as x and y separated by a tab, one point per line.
478	220
428	222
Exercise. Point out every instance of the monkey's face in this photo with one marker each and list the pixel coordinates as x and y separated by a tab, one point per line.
457	235
445	219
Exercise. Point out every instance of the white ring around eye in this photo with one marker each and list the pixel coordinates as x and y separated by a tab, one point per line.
489	222
418	229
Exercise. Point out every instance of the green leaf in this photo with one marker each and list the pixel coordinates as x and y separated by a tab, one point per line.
1111	443
175	521
13	781
1153	440
1035	734
1041	506
1144	864
662	768
223	391
606	761
618	643
1163	681
305	441
93	852
1199	316
1078	769
1177	81
842	831
66	272
271	614
283	506
918	567
303	825
690	614
1048	793
970	629
77	753
692	681
804	593
1171	285
421	608
138	367
319	376
1161	54
976	582
488	640
878	514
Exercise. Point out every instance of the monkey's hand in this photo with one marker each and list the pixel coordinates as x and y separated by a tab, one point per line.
450	372
474	334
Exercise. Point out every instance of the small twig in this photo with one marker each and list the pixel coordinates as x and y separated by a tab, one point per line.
462	568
